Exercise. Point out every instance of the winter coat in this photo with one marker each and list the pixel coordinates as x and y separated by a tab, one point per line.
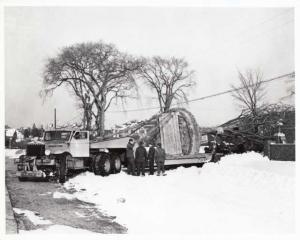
141	154
160	155
129	151
151	153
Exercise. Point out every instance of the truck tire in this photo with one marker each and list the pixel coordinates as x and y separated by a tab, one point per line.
63	168
116	164
102	164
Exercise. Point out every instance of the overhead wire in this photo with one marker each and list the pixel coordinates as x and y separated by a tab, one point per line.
228	91
225	46
209	96
220	93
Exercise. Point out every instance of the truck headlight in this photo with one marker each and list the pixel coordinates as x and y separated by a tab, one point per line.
47	152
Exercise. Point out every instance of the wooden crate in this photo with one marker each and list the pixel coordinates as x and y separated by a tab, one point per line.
169	133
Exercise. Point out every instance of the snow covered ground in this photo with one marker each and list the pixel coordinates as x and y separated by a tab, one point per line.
14	153
50	228
57	229
32	216
244	193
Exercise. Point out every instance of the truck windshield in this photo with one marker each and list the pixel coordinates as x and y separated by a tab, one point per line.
57	135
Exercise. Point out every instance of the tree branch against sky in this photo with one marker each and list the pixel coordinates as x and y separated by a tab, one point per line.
250	93
211	49
97	70
170	78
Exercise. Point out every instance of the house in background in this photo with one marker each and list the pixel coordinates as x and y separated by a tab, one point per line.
9	135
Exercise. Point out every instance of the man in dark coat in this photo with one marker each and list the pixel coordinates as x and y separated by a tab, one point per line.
130	157
140	158
151	154
213	151
160	157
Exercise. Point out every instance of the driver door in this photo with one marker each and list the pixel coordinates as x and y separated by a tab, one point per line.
80	144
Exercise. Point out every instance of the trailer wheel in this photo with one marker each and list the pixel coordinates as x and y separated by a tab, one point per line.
116	164
62	171
102	164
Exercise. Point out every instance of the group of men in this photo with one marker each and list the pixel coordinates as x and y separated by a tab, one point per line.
137	160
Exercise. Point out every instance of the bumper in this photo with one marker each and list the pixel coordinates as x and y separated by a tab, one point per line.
31	174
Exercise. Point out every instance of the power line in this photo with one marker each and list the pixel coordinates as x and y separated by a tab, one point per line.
207	51
229	91
268	19
241	33
225	49
264	32
237	89
241	41
292	74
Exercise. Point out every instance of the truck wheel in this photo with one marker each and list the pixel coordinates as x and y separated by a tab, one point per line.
53	176
63	168
102	164
116	165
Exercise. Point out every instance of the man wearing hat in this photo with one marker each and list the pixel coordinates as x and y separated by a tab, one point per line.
160	157
140	158
151	153
130	157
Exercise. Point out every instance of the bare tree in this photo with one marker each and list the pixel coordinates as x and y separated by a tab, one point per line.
97	73
83	98
250	93
170	78
55	75
85	104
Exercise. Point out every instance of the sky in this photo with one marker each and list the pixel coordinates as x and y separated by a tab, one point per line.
216	42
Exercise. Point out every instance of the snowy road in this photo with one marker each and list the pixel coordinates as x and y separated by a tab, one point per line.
38	211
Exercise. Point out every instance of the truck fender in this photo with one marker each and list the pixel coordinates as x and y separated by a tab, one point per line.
59	156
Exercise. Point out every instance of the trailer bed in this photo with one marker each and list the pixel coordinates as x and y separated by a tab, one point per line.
187	159
110	143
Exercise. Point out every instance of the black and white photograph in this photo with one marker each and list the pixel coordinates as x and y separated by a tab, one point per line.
145	120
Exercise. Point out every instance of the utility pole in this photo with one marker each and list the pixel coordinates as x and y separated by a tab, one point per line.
54	118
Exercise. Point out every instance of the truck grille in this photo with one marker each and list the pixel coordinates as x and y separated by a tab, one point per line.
37	150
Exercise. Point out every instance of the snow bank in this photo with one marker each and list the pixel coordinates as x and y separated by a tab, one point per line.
244	193
58	229
14	153
45	194
63	195
32	216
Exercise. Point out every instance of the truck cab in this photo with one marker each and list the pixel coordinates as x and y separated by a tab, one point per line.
64	151
74	142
